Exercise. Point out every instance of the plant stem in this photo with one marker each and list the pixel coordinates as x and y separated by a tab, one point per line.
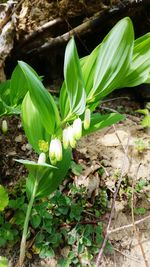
26	223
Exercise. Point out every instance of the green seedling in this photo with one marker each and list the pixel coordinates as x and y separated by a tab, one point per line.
145	122
140	145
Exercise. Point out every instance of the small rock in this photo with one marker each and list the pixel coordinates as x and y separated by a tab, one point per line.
23	148
18	138
28	147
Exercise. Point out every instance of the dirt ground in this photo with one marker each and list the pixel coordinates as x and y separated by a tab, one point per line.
107	149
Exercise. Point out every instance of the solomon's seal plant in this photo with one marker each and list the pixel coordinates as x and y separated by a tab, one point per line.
53	130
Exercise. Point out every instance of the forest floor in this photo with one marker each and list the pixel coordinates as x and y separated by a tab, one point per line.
104	160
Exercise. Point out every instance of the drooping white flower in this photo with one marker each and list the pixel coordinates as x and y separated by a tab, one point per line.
65	138
4	126
71	138
55	150
87	118
77	128
58	151
42	158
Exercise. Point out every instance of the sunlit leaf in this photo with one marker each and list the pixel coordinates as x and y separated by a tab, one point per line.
18	86
32	123
3	198
113	61
53	179
73	79
36	169
99	121
41	99
139	70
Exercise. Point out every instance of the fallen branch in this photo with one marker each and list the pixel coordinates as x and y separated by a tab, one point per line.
87	26
11	9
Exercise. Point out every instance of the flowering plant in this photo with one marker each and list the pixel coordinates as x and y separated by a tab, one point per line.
54	130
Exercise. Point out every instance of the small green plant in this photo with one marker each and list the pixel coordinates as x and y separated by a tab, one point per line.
145	122
140	145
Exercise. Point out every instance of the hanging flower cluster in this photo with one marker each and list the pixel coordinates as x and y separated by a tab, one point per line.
69	137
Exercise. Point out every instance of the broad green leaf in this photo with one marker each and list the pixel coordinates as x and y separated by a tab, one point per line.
2	107
99	121
41	99
88	65
5	92
3	262
3	198
32	123
5	105
35	220
140	66
64	102
146	121
18	86
36	169
54	178
73	79
148	79
113	61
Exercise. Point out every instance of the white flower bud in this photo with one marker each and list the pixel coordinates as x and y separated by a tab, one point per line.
55	150
58	151
71	138
65	138
42	158
52	149
4	126
77	128
87	118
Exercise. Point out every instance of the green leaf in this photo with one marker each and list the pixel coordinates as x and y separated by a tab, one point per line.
76	168
35	220
88	68
5	92
101	121
46	251
36	169
41	99
53	179
146	121
64	102
139	70
18	86
3	262
113	61
32	124
143	111
3	198
73	79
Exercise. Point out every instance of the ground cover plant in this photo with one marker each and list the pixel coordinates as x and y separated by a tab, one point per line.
54	128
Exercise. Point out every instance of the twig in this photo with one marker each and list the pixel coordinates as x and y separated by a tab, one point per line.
115	98
99	258
127	256
136	230
39	30
80	222
9	12
126	226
